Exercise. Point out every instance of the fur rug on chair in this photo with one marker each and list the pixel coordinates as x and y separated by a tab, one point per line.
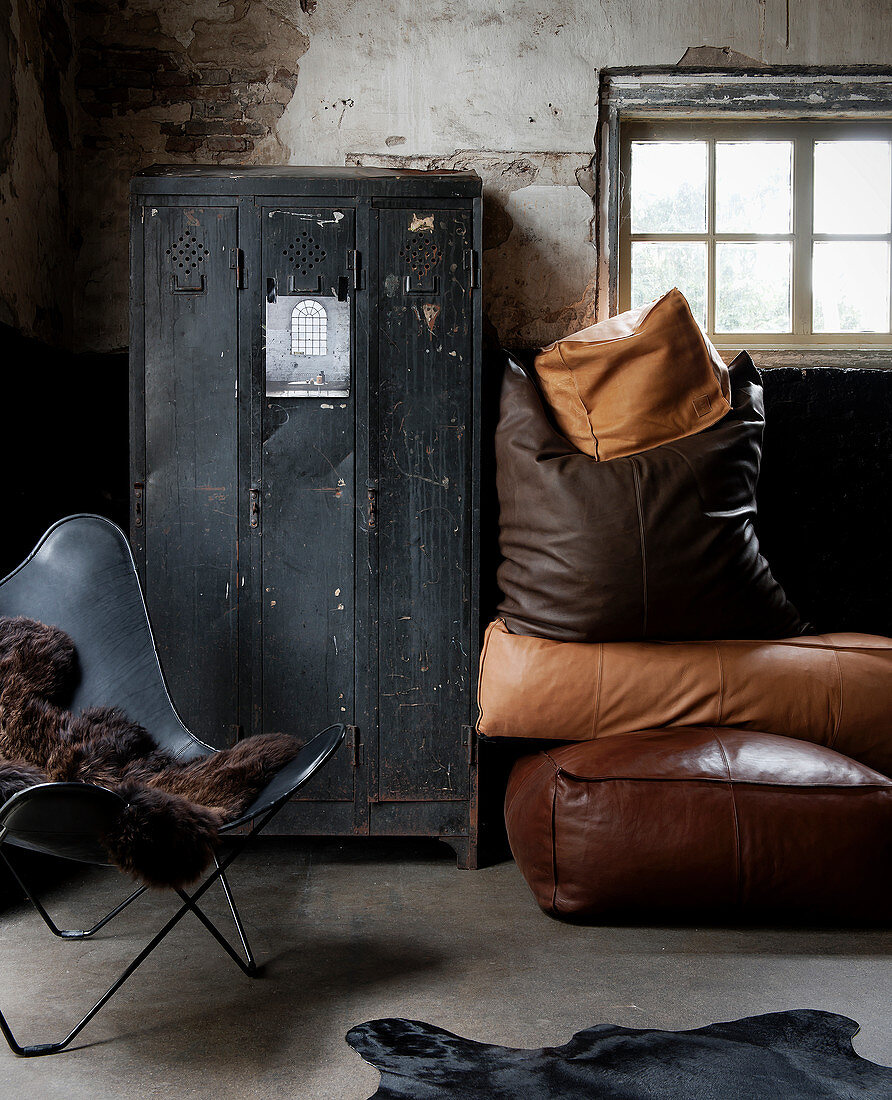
168	831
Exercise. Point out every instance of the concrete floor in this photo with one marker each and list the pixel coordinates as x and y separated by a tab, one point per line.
357	930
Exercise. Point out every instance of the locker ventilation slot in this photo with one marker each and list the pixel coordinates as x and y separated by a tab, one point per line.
186	253
304	253
421	255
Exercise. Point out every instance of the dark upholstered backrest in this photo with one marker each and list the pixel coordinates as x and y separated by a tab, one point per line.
825	521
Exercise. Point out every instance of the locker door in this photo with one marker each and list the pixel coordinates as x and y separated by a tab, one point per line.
424	504
307	480
190	509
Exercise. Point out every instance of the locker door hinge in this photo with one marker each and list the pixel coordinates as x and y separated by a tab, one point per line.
354	263
138	493
255	508
472	266
353	736
237	264
469	740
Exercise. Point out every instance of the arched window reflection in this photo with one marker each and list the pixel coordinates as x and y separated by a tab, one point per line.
309	329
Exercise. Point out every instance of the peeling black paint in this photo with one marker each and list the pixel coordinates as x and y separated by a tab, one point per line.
9	104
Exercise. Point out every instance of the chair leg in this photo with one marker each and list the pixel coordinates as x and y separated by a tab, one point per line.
242	934
189	905
69	933
39	1049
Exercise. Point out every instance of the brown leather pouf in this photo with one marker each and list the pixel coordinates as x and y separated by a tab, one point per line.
702	820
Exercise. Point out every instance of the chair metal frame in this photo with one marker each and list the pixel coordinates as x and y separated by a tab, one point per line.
26	806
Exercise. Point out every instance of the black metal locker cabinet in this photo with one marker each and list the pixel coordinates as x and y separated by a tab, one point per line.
305	354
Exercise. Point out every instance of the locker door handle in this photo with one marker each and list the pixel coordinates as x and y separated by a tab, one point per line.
471	262
308	286
420	286
187	288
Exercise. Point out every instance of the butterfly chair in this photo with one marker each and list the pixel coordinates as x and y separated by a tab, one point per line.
81	577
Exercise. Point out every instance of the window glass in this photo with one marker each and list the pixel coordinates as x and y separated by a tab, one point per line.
850	286
658	266
752	286
669	186
753	186
852	187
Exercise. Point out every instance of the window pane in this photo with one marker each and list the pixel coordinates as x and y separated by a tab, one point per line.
853	187
753	186
668	186
658	266
850	283
752	286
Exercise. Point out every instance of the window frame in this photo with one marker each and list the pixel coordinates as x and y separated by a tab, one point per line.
806	102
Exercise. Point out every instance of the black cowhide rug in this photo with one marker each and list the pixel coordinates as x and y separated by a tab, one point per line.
800	1055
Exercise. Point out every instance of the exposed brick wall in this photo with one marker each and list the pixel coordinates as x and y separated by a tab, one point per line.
228	109
36	126
191	81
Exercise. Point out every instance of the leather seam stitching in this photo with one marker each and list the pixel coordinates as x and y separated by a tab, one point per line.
554	876
714	779
718	653
527	781
552	761
739	884
839	708
585	417
806	641
643	545
597	713
481	718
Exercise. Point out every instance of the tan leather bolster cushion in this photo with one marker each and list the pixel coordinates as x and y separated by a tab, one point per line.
830	689
698	819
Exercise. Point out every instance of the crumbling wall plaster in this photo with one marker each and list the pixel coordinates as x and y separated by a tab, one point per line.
502	86
36	108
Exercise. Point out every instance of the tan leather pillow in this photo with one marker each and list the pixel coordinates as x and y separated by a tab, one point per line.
830	689
635	381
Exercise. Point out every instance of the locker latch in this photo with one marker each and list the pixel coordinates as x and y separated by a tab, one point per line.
255	508
471	263
353	736
237	264
138	490
372	515
354	263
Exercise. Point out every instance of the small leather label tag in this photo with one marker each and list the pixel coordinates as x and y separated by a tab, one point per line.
702	404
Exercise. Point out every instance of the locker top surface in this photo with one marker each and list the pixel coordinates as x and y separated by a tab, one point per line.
228	179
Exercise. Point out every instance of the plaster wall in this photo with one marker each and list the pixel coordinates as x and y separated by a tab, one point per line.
36	109
508	87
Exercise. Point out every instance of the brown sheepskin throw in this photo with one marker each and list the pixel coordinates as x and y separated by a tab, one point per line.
168	830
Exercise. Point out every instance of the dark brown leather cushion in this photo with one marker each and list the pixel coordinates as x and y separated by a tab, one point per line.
701	820
655	545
